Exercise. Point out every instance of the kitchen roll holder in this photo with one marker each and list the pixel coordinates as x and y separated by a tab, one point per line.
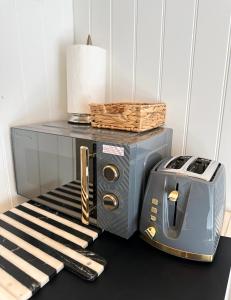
86	80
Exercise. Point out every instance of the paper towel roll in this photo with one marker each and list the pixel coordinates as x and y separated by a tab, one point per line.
86	77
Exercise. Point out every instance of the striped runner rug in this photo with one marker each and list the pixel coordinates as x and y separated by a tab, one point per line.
37	242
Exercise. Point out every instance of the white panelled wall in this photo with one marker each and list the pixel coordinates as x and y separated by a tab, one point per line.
34	35
174	51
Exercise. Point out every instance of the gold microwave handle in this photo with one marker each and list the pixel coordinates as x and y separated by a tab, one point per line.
84	162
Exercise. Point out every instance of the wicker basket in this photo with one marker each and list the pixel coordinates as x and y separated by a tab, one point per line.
135	117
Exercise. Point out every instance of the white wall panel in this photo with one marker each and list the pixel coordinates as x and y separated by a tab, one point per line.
123	43
10	68
100	20
100	32
178	52
175	51
209	65
13	107
82	20
225	145
149	20
57	35
32	72
29	13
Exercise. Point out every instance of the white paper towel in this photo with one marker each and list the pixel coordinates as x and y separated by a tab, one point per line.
86	77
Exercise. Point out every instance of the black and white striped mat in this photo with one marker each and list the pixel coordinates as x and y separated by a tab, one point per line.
36	242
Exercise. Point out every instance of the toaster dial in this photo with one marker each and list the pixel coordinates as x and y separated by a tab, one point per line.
110	201
111	172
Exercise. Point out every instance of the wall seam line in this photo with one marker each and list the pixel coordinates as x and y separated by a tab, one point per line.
161	57
223	94
190	76
90	17
110	51
135	10
74	21
50	99
21	63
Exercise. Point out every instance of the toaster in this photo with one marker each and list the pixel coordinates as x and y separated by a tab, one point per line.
183	207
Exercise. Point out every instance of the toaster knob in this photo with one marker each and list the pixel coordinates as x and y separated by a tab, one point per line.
151	232
111	172
110	201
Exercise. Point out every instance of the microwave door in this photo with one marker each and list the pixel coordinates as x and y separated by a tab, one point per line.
48	171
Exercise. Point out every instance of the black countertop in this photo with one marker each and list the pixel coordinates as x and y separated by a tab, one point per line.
135	270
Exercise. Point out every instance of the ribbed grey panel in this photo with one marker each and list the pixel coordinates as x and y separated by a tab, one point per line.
116	221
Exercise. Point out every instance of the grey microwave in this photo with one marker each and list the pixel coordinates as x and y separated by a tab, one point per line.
97	176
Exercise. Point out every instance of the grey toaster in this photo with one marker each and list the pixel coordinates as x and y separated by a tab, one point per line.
183	207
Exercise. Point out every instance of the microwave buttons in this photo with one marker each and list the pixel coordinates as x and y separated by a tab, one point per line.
110	201
111	172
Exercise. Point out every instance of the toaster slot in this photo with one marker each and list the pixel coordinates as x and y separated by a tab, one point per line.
178	162
199	165
175	208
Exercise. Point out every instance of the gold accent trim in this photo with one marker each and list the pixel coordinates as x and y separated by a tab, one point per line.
173	196
151	231
84	161
177	252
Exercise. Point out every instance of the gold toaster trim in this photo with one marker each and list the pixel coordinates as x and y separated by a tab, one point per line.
177	252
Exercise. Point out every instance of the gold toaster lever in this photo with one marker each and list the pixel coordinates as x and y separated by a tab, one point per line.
173	196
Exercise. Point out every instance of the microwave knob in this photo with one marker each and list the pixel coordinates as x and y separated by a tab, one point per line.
111	172
110	201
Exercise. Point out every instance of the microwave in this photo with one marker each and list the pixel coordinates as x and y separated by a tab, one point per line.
97	176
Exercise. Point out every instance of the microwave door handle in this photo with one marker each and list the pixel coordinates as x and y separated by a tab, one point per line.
84	162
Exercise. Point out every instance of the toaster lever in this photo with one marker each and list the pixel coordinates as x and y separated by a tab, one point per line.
173	196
